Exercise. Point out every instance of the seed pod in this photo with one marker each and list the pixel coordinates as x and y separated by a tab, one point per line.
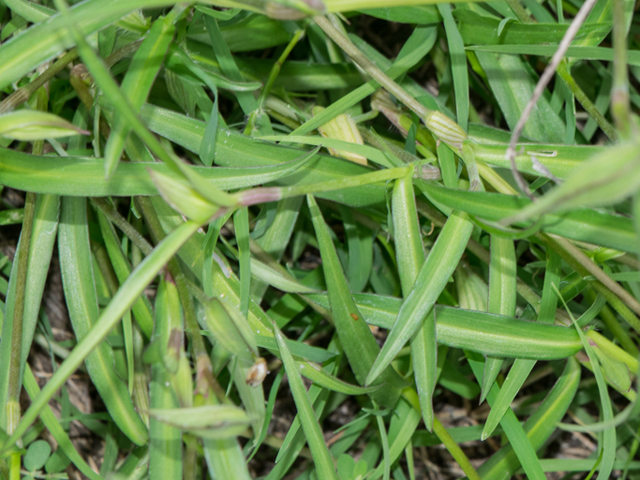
445	129
342	128
257	373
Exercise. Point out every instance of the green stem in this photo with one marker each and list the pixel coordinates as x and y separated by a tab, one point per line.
125	227
12	407
564	73
368	66
275	70
455	451
579	261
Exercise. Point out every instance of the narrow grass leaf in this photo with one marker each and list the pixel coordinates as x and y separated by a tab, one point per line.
605	179
323	461
230	329
360	246
85	177
47	39
433	277
55	428
521	369
184	198
478	29
165	441
206	421
538	427
355	336
419	44
502	297
270	275
269	414
121	302
559	160
386	456
584	225
142	308
404	421
512	85
82	303
607	444
321	377
277	235
137	84
248	381
481	332
458	61
43	236
582	53
410	257
241	225
168	324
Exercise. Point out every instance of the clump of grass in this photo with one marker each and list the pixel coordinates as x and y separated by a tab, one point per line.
188	162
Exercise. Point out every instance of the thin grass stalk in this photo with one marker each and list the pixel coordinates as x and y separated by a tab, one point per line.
12	407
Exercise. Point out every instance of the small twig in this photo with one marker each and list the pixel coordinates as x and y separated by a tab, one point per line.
542	84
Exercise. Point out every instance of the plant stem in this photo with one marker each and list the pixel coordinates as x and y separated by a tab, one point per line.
12	407
368	66
564	73
125	227
455	451
275	70
578	257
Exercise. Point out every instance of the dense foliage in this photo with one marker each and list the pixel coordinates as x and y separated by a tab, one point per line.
294	236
